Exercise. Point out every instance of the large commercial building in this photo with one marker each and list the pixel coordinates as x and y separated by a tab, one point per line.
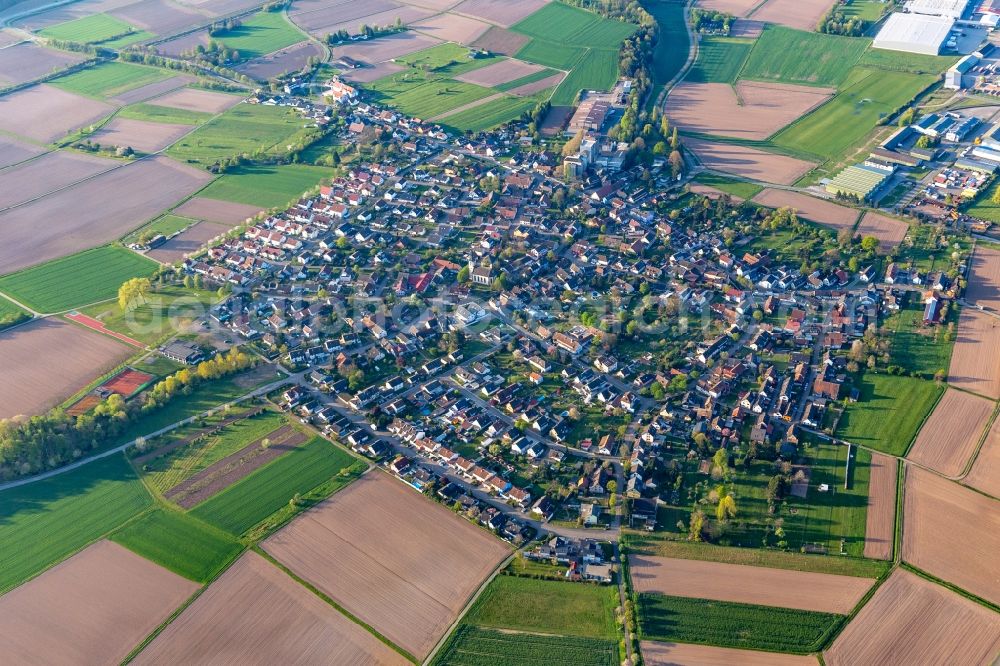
914	33
948	8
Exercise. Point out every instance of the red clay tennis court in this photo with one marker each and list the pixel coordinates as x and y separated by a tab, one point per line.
126	382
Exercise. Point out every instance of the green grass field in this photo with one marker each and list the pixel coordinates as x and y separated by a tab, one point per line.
720	60
866	10
844	121
88	277
491	114
918	348
164	114
546	606
563	24
525	80
807	58
44	522
727	624
180	543
10	314
670	52
264	33
448	59
898	61
473	646
983	207
166	312
245	128
165	224
889	412
550	54
596	70
127	39
108	79
736	188
252	499
88	30
266	186
434	98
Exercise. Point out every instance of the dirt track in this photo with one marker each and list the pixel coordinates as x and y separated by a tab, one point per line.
975	359
256	614
825	593
952	432
881	515
910	620
93	608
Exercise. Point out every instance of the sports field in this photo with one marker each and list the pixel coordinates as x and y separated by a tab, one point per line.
165	311
265	33
80	279
108	79
245	128
888	413
266	186
720	60
88	30
808	58
43	522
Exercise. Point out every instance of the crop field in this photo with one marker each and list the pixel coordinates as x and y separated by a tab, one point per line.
888	413
447	60
897	61
255	497
139	135
596	70
264	33
432	98
265	186
550	54
846	119
187	243
749	162
489	115
385	48
952	432
255	613
544	74
109	79
80	279
92	608
502	13
818	592
27	61
725	624
503	72
474	646
734	188
213	210
890	231
881	514
88	30
451	27
985	472
46	113
910	620
55	517
546	607
165	224
720	60
808	58
197	100
665	654
800	14
246	128
151	90
975	360
560	23
934	506
14	152
290	59
45	173
179	543
984	281
810	208
162	114
426	560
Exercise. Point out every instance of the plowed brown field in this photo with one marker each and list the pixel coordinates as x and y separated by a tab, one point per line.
984	280
452	28
951	433
213	210
975	360
798	14
910	620
749	162
888	230
985	472
881	516
502	12
810	208
688	654
45	113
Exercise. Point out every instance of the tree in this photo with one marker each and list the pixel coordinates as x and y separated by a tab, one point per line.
695	525
135	289
676	163
869	243
463	275
726	507
573	145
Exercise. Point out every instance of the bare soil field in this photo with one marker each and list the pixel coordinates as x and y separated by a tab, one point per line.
319	16
255	613
196	99
372	72
711	192
746	28
734	7
504	13
689	654
984	281
910	620
538	86
13	151
452	28
405	13
952	532
7	38
159	16
26	61
215	8
817	210
501	72
175	47
186	242
44	113
881	516
951	433
500	40
752	111
290	59
888	230
436	5
749	162
556	120
150	90
93	608
385	48
826	593
47	360
93	212
46	173
975	360
985	472
234	467
140	135
213	210
799	14
62	13
427	561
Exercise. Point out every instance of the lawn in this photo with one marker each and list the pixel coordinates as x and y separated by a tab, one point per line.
88	30
847	118
489	115
473	646
44	522
245	128
596	70
74	281
108	79
736	188
550	54
164	114
888	413
10	314
983	207
252	499
178	542
720	60
264	33
166	312
266	186
546	606
807	58
448	59
866	10
735	625
918	348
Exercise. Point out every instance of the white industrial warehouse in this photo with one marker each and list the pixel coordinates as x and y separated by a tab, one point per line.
914	33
